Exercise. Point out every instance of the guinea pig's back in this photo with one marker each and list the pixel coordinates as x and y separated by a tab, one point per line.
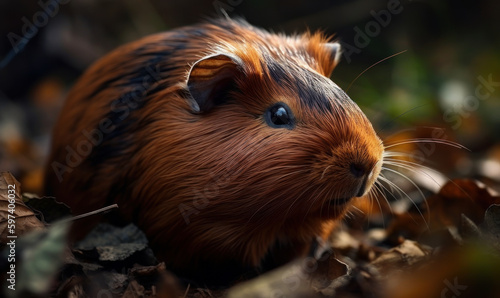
97	134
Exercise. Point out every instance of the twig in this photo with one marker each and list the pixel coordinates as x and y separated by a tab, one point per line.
90	213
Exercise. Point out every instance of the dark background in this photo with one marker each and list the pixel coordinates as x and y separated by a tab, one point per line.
449	44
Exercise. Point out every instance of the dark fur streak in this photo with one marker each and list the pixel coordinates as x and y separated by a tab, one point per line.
103	86
137	75
117	141
311	92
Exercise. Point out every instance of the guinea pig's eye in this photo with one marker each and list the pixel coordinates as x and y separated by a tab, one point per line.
280	116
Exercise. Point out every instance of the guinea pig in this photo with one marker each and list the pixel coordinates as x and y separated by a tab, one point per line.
229	146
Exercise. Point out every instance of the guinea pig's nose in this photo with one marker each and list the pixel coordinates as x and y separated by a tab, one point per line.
357	170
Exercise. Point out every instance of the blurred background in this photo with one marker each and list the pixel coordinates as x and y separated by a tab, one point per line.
445	86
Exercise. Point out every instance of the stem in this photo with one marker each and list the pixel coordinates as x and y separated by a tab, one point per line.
104	209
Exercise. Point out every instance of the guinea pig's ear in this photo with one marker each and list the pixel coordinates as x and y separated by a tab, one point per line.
210	79
327	54
335	51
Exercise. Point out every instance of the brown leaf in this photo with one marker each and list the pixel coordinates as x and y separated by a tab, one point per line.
50	209
402	256
329	274
445	209
15	217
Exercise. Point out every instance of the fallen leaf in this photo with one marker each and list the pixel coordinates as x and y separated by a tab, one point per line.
107	243
327	274
445	209
403	256
50	209
362	281
119	252
108	235
15	217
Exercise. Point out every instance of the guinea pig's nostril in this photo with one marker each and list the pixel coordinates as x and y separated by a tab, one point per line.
357	170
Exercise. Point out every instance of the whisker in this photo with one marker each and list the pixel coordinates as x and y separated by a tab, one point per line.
414	184
380	61
396	153
371	207
357	209
348	215
379	192
391	190
411	162
381	211
418	168
379	184
409	198
411	129
426	140
377	189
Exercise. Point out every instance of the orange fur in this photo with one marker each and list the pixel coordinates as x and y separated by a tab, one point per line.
252	190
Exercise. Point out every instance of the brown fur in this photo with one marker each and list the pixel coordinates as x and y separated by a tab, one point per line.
248	190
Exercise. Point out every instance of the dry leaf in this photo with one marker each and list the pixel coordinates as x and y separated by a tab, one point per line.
48	207
15	217
329	274
444	209
400	257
